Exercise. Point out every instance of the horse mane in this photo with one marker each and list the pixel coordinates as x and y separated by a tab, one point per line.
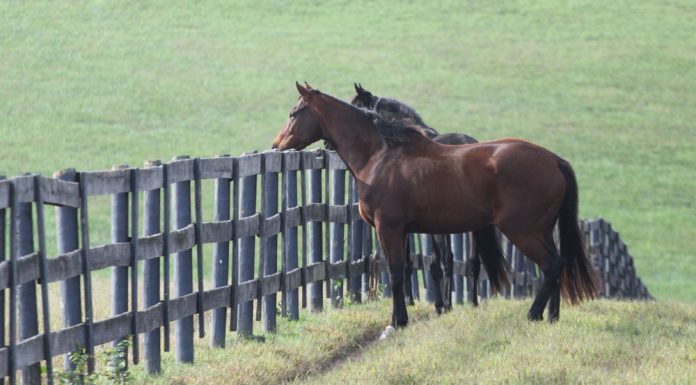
395	132
393	109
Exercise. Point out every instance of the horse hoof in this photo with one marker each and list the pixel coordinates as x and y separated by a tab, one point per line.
535	317
389	330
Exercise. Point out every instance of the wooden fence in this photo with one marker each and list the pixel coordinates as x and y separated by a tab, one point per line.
330	256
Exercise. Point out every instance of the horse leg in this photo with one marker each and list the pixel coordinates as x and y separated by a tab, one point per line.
542	250
474	271
555	304
437	274
449	273
393	245
408	287
447	264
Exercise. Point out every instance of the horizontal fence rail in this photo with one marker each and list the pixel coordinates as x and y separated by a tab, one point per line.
305	240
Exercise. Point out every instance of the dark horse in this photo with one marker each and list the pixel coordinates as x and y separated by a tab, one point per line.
519	187
485	239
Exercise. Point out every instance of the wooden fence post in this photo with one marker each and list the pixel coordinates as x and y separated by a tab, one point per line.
183	269
316	295
119	234
43	276
221	261
458	253
198	211
151	275
27	306
271	162
67	238
338	192
290	238
356	224
134	250
86	271
12	324
2	292
245	270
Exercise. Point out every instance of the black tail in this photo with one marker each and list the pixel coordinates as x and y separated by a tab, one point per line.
487	249
577	281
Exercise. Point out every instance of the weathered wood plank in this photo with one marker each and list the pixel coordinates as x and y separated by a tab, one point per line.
338	213
248	227
150	178
334	162
106	182
313	160
314	212
357	267
248	165
112	329
271	284
337	270
24	188
293	279
246	291
182	307
4	194
67	339
64	266
214	168
180	170
316	272
27	270
273	161
29	351
291	160
150	246
271	226
214	232
109	255
150	318
59	192
182	239
293	217
216	298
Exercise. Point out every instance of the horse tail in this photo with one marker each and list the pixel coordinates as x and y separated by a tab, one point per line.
487	249
577	280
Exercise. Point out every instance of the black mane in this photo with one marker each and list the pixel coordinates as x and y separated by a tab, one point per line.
394	131
395	110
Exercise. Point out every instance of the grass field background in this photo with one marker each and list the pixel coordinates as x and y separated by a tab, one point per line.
609	86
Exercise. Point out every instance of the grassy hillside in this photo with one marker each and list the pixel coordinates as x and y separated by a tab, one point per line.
607	85
603	342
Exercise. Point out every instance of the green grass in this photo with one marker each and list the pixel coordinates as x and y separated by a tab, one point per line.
607	85
299	349
605	342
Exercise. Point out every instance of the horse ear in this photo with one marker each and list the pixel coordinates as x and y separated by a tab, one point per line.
304	92
307	85
358	87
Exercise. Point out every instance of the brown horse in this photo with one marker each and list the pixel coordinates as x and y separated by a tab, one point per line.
485	239
520	187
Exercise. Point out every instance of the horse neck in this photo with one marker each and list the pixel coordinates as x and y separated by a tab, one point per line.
354	136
